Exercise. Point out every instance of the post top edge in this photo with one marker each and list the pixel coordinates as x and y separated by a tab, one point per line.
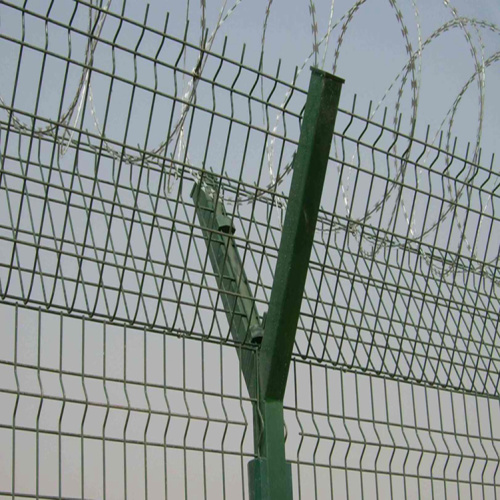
325	74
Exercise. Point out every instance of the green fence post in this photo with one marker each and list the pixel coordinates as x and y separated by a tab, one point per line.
270	475
270	472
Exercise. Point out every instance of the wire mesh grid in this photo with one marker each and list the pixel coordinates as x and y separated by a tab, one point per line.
120	377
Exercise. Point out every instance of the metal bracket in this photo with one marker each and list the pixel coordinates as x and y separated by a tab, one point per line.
239	304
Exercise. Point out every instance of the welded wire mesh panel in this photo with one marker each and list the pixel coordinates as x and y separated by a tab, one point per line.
120	374
364	436
95	220
404	273
95	410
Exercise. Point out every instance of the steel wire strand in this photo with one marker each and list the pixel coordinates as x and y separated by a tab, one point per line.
190	94
454	107
443	29
94	31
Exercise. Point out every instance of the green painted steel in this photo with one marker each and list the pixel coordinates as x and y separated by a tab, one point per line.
309	171
270	474
258	478
239	305
298	232
274	480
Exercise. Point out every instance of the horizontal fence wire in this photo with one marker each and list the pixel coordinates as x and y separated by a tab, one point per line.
119	375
